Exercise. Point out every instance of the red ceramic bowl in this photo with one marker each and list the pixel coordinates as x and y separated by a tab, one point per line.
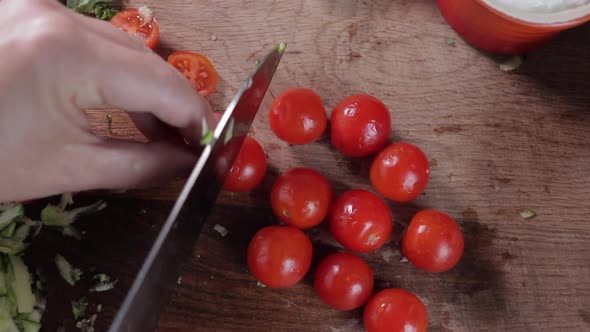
506	31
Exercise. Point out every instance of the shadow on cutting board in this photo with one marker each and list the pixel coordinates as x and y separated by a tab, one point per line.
562	66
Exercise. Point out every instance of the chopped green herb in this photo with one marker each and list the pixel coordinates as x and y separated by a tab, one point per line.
12	246
527	214
103	283
281	48
69	273
87	324
22	232
206	133
8	231
101	277
53	215
9	216
79	308
512	63
103	12
257	61
98	8
451	42
403	259
261	285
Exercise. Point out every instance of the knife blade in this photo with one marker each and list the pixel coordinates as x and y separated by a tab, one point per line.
157	277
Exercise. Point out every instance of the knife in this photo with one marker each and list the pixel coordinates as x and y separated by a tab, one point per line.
157	277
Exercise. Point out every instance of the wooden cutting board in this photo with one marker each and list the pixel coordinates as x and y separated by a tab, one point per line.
499	143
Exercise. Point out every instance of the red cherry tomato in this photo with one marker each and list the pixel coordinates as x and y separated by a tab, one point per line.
395	310
197	69
361	126
433	241
249	167
360	221
279	256
130	21
298	116
400	172
344	281
301	197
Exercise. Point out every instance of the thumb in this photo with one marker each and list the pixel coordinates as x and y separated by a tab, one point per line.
115	164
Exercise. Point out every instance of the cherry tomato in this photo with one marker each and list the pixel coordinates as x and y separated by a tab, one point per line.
400	172
197	69
249	167
344	281
298	116
395	310
360	221
130	21
279	256
433	241
361	126
301	197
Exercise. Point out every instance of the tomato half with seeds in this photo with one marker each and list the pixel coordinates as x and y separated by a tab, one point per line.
433	241
360	221
395	310
344	281
361	125
279	256
301	197
249	167
197	69
400	172
298	116
134	23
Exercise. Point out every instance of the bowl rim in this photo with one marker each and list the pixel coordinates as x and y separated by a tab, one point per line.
585	17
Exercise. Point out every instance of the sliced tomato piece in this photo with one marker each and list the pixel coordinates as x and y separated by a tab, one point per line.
198	69
131	21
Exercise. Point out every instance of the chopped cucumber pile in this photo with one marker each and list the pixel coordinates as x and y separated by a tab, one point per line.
21	303
20	308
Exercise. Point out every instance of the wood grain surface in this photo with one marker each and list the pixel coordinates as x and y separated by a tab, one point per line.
499	143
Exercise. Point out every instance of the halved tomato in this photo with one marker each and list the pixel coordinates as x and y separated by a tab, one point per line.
197	68
133	21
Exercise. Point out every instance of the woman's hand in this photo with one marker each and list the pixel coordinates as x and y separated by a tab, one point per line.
55	63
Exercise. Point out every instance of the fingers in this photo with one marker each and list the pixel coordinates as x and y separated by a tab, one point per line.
143	82
124	165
